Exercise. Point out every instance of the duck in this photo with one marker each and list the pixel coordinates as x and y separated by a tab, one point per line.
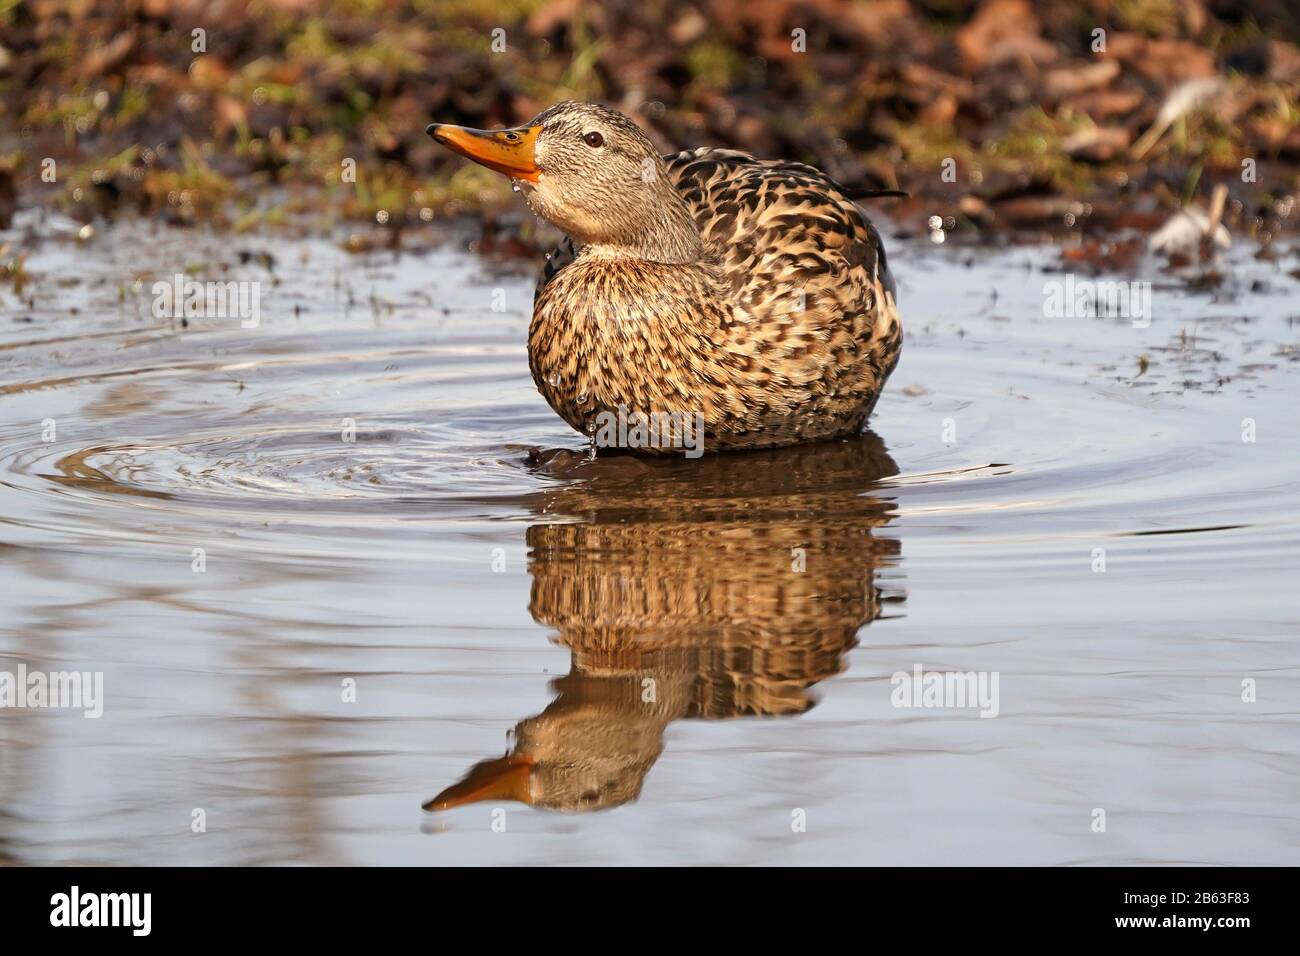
720	589
701	300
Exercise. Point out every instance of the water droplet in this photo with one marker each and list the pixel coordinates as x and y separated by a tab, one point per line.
553	379
582	398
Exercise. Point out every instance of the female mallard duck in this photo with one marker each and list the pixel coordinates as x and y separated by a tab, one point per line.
672	588
708	288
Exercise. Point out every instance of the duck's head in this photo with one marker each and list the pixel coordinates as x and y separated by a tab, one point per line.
593	173
589	750
567	786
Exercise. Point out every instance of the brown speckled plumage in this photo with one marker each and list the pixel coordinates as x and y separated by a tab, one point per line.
732	586
752	293
726	337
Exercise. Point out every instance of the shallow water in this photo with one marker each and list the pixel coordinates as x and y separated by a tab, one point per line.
639	628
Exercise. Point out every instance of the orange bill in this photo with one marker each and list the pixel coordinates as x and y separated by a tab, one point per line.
506	778
508	151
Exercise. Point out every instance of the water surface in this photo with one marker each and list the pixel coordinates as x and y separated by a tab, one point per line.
693	655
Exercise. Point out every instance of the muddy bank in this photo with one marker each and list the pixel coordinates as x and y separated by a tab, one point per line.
1001	118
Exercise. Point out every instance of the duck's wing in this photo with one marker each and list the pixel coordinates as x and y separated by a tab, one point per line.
772	220
777	221
813	317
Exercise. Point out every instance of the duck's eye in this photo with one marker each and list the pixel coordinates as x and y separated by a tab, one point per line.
594	140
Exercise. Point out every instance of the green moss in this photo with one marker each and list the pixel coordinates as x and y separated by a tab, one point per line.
313	42
499	12
1152	17
714	65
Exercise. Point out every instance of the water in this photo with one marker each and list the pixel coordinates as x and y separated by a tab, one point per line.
638	629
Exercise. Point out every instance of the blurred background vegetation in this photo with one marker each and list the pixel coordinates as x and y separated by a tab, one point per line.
255	117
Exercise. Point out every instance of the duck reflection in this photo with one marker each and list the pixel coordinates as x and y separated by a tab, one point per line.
722	587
